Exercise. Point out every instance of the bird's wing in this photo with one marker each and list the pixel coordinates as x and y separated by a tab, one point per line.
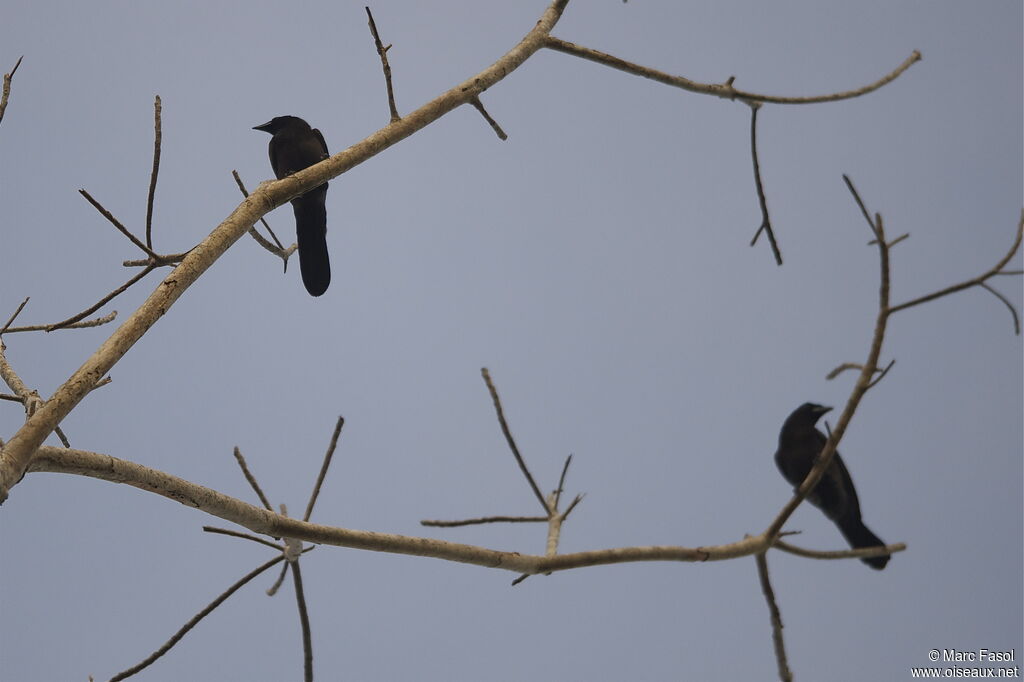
275	161
835	494
323	142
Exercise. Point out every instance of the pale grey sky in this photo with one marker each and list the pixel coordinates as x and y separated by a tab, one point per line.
596	262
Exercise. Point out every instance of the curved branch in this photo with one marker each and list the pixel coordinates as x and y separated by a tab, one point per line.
724	90
105	467
149	660
864	379
976	281
842	553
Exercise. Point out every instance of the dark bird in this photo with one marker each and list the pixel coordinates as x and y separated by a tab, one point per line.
800	443
295	146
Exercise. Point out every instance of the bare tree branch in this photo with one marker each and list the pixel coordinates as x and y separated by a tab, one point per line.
7	87
243	536
773	609
974	281
262	521
487	117
484	519
95	322
862	385
561	481
323	468
307	638
27	397
157	136
176	637
724	90
117	223
383	53
103	301
279	250
18	452
842	553
1009	306
511	441
866	378
251	479
766	221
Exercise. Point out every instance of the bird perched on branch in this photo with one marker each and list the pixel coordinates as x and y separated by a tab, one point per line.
295	146
800	443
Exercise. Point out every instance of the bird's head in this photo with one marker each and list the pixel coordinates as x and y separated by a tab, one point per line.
278	123
812	411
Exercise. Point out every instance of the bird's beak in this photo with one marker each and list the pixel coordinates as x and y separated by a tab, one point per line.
824	410
265	127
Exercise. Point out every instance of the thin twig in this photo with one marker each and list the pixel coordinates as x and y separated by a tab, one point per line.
7	87
561	481
484	519
63	438
894	242
842	368
244	536
117	223
383	52
976	281
157	136
103	301
276	585
1009	306
26	396
256	235
572	505
252	479
724	90
766	221
96	322
773	609
195	620
881	373
487	117
323	468
307	639
510	440
168	259
13	317
842	553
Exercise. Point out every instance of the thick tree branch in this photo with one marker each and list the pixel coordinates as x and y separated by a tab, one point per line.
265	522
17	452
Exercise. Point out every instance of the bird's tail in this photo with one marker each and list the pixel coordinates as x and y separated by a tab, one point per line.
859	536
311	230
